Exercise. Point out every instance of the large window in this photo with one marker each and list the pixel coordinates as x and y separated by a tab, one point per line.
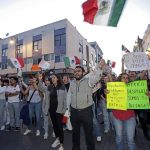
19	48
37	43
60	41
59	58
49	57
4	52
28	60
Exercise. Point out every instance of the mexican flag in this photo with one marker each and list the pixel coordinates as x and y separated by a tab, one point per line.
71	61
103	12
111	63
125	49
17	62
44	65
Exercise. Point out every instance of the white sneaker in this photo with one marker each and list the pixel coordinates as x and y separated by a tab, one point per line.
61	148
106	131
37	132
99	139
27	132
2	128
53	135
56	143
46	136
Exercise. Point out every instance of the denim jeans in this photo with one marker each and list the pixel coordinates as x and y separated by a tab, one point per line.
2	109
14	112
105	115
129	127
37	109
46	122
96	125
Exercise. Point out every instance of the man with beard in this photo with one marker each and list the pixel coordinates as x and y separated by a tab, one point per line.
80	100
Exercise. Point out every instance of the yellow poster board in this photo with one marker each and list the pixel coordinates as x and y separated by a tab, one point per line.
117	96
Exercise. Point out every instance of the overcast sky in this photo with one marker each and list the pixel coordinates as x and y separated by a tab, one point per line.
17	16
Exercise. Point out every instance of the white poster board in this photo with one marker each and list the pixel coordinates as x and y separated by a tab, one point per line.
136	61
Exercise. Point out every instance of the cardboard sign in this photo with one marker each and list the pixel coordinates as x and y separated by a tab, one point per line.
137	98
123	96
117	96
136	61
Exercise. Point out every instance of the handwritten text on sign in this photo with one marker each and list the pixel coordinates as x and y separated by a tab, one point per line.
136	61
130	96
137	98
117	96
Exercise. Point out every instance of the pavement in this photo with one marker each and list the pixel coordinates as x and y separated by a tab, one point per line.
15	140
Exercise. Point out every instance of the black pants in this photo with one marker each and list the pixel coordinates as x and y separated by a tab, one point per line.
57	125
84	117
143	118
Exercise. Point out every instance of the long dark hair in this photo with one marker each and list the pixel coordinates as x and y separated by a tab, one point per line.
120	76
59	82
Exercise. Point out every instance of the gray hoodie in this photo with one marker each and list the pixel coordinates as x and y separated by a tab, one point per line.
80	93
61	97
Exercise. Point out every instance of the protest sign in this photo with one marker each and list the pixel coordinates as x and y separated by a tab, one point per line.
136	61
123	96
137	98
117	96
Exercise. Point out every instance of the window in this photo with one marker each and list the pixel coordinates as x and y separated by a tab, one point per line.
28	60
19	48
59	58
4	52
49	57
60	41
19	51
37	43
80	48
36	61
84	62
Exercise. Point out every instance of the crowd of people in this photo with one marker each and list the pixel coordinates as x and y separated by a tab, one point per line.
48	98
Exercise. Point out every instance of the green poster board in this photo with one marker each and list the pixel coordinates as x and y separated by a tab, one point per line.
123	96
137	98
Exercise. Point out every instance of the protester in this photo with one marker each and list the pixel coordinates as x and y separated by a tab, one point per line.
35	105
107	78
96	125
2	104
57	107
81	102
66	82
45	103
124	120
12	93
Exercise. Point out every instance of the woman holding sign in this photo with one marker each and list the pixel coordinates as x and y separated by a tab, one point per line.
124	120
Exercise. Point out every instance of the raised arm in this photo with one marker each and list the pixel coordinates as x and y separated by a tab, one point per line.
122	67
96	75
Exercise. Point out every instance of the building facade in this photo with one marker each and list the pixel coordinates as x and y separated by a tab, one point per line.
146	40
50	42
